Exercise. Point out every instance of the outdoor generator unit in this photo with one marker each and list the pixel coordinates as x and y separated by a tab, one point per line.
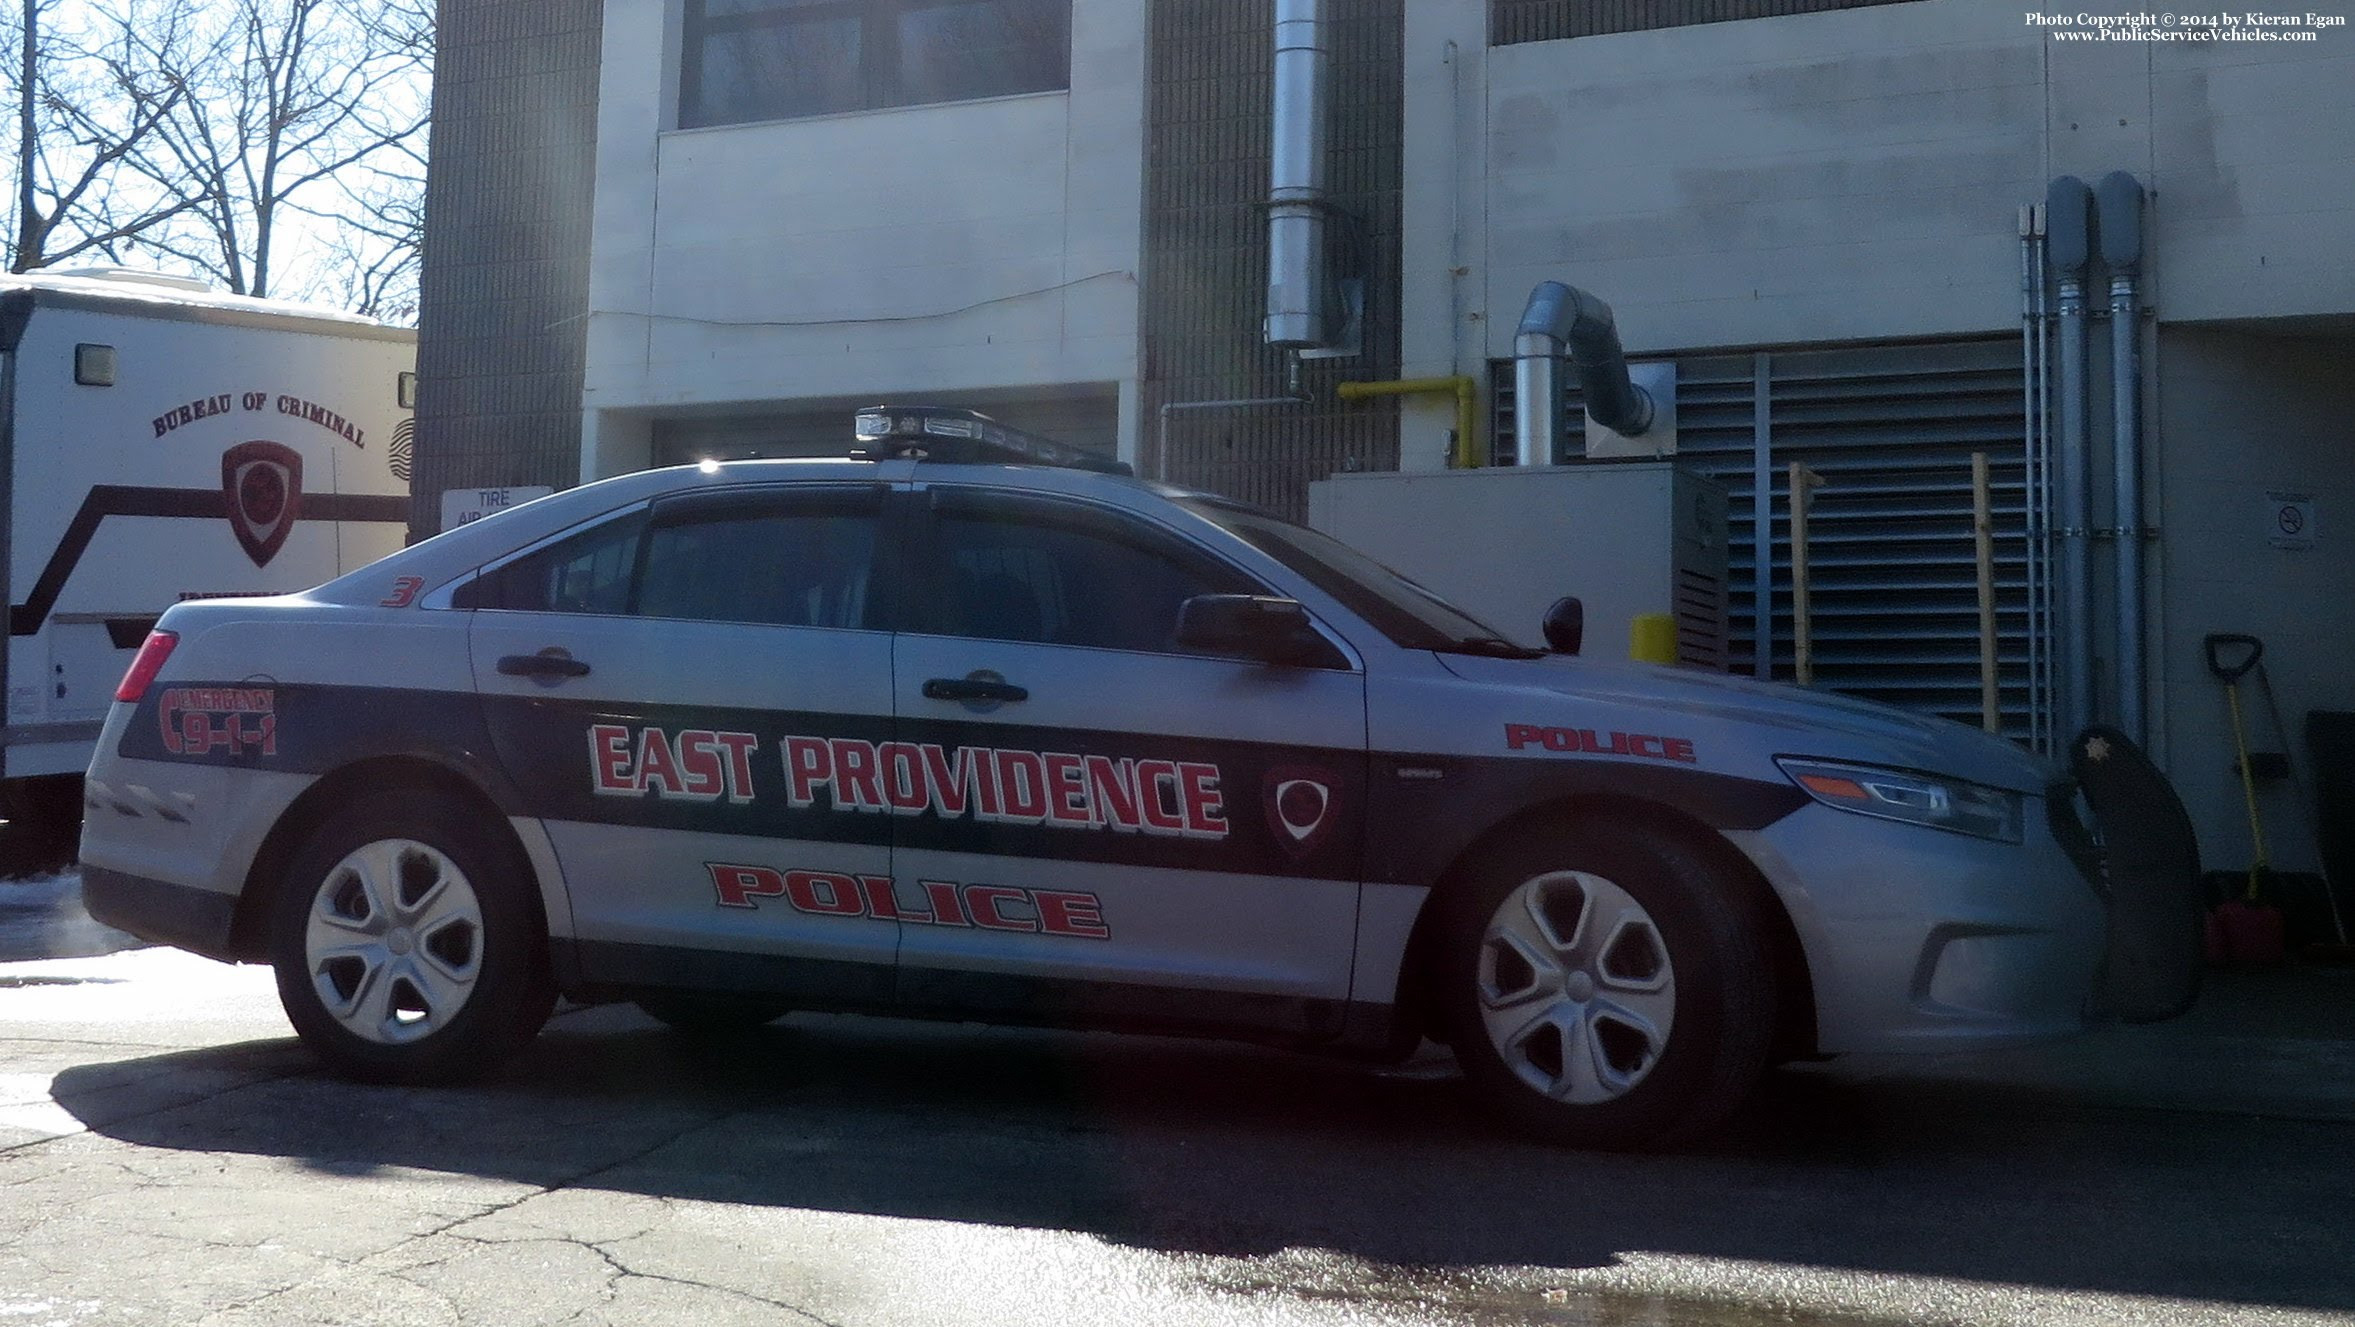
1505	542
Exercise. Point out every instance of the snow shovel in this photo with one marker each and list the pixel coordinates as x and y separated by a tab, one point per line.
2246	928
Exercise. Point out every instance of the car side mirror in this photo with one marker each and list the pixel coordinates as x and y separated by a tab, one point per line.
1565	625
1255	626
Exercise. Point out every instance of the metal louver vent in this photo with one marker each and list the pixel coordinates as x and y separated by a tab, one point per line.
1700	619
1891	429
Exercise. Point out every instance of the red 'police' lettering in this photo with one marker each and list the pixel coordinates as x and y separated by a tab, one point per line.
1589	742
945	902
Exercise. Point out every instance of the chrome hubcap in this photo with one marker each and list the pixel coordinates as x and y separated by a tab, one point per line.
1576	990
394	943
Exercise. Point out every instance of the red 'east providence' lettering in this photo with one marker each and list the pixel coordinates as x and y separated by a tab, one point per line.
698	765
946	903
1173	798
1587	740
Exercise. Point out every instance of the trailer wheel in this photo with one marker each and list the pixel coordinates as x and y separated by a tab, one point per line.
407	945
48	804
1606	987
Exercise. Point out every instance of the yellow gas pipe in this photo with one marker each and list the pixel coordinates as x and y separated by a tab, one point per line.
1466	393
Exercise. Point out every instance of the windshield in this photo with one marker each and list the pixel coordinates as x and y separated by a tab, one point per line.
1408	614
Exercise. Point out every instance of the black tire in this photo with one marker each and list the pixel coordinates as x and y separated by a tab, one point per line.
509	993
1718	976
700	1015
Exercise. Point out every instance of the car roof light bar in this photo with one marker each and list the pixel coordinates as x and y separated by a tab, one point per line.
958	436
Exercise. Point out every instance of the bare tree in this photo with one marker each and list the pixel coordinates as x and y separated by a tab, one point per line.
305	117
88	99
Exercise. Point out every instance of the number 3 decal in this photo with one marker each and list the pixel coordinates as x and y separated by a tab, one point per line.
404	592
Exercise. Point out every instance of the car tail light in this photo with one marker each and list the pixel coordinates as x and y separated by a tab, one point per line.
146	664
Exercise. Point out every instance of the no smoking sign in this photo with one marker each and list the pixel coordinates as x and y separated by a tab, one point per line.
2289	519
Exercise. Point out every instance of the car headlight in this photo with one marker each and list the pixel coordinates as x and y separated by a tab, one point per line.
1917	799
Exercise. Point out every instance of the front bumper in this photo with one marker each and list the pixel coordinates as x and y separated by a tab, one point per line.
1924	940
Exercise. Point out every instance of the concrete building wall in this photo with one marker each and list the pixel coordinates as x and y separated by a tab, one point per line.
1857	174
2246	413
892	253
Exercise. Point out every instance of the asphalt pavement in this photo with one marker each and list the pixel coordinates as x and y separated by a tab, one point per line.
168	1155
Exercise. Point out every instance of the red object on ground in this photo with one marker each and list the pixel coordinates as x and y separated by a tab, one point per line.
2244	932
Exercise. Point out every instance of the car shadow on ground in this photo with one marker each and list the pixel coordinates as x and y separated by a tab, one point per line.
1221	1150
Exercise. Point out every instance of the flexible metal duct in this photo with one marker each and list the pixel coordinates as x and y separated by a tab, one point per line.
1299	278
2068	244
1562	320
2120	201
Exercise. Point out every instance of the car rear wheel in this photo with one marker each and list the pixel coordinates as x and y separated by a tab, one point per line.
407	946
700	1015
1607	986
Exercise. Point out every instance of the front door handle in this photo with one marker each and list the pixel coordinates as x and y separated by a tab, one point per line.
973	688
542	665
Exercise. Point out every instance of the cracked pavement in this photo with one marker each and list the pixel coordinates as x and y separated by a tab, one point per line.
168	1155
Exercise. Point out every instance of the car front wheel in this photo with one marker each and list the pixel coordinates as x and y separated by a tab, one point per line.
406	945
1607	986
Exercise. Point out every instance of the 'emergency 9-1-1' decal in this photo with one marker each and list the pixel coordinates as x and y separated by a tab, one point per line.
988	785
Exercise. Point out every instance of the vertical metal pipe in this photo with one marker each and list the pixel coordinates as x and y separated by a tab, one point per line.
1983	538
1762	516
1537	399
2040	498
2031	233
2069	239
1803	485
1299	295
2121	197
2126	475
2072	501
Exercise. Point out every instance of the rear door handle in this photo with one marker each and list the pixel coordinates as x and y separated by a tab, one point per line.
542	665
973	688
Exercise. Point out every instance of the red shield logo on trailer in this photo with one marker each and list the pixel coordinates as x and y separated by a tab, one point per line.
264	483
1299	805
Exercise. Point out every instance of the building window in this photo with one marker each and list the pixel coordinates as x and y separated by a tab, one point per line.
747	60
1511	22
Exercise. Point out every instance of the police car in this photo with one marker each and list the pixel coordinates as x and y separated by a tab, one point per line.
970	726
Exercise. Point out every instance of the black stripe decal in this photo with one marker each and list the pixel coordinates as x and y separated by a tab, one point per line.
1387	828
106	500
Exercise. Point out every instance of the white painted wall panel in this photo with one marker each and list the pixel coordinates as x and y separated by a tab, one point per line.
984	244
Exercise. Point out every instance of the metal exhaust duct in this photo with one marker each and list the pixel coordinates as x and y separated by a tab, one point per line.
2120	202
1563	319
2068	244
1300	300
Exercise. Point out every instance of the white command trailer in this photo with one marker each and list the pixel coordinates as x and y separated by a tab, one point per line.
160	442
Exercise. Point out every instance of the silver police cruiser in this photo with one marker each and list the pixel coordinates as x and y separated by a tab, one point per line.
973	725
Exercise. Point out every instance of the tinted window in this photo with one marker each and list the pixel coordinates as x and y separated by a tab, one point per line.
778	59
805	568
1008	570
590	572
801	560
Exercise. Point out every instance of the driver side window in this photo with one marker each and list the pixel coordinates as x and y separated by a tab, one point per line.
1046	573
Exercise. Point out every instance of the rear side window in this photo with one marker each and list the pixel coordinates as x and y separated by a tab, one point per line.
590	572
801	568
797	560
